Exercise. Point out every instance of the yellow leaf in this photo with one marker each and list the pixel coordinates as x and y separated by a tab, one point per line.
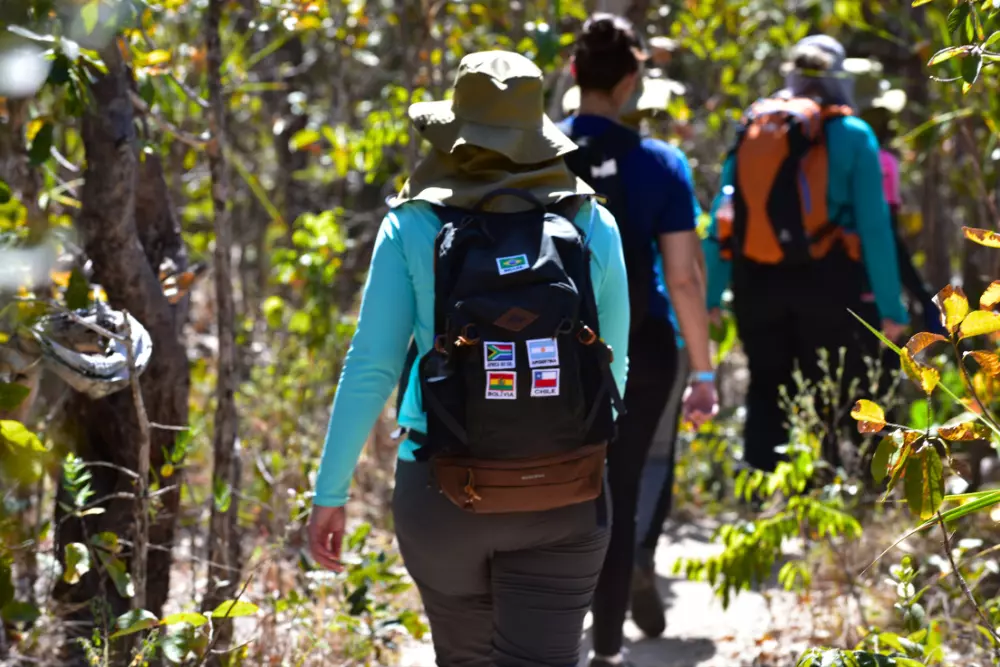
988	361
32	128
991	297
924	376
922	341
870	417
982	237
980	322
60	278
167	470
157	57
954	306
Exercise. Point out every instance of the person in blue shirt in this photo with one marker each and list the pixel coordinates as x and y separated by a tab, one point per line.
658	218
784	315
499	589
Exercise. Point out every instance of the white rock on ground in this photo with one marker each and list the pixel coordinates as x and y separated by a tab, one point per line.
751	633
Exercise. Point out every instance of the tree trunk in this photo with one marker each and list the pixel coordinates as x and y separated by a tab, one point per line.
224	545
128	228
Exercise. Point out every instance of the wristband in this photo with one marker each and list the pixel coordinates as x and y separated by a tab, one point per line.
702	376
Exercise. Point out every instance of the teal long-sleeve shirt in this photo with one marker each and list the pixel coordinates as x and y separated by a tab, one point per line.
398	301
855	186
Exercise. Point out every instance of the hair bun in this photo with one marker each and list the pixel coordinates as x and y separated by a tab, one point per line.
601	32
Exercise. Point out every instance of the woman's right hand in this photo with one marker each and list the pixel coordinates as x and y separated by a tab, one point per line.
326	536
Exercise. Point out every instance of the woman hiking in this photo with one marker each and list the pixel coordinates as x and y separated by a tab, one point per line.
510	280
648	189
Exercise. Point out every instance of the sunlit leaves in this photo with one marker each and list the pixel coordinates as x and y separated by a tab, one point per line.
90	13
134	621
107	547
924	376
988	361
303	139
921	341
235	609
5	194
954	306
870	417
15	433
924	483
947	54
965	431
991	296
189	618
979	323
983	237
77	562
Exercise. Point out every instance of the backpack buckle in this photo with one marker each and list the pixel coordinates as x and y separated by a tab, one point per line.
469	336
586	335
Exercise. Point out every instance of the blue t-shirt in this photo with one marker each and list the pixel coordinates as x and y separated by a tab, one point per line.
659	191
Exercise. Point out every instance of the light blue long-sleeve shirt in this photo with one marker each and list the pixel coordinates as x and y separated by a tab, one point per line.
398	302
855	187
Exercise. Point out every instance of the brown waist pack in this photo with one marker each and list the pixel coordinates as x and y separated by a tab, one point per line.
522	485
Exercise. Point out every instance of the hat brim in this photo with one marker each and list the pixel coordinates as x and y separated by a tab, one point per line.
654	97
437	123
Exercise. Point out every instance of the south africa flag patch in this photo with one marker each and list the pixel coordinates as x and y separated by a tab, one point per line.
498	355
501	385
512	264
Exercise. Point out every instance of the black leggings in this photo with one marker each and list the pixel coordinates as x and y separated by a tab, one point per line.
652	367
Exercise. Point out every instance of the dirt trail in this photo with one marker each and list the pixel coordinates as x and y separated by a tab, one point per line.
751	633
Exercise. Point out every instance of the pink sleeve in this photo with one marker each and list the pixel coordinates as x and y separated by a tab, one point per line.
890	177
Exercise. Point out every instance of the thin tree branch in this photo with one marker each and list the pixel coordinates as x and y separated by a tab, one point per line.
987	624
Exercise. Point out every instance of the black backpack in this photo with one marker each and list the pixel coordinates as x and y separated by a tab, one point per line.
596	163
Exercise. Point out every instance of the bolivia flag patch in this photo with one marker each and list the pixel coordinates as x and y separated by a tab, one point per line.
501	385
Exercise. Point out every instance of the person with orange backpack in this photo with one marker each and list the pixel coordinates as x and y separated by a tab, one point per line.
801	230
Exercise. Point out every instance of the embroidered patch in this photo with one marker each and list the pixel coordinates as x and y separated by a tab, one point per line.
498	355
515	319
545	383
501	385
512	264
543	352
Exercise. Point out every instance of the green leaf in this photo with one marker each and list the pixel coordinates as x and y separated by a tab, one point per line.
991	40
301	323
186	618
957	17
91	14
880	462
5	194
917	3
235	609
77	562
77	291
41	145
947	54
6	584
272	309
135	621
302	139
20	612
12	395
358	537
119	574
972	65
15	433
924	483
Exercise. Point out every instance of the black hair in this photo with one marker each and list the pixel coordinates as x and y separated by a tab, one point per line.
607	50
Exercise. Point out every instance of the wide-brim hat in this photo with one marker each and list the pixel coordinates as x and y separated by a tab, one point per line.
651	96
498	104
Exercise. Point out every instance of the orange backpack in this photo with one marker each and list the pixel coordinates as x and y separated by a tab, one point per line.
780	199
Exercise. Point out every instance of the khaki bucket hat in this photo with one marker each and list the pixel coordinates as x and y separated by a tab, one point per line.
498	104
